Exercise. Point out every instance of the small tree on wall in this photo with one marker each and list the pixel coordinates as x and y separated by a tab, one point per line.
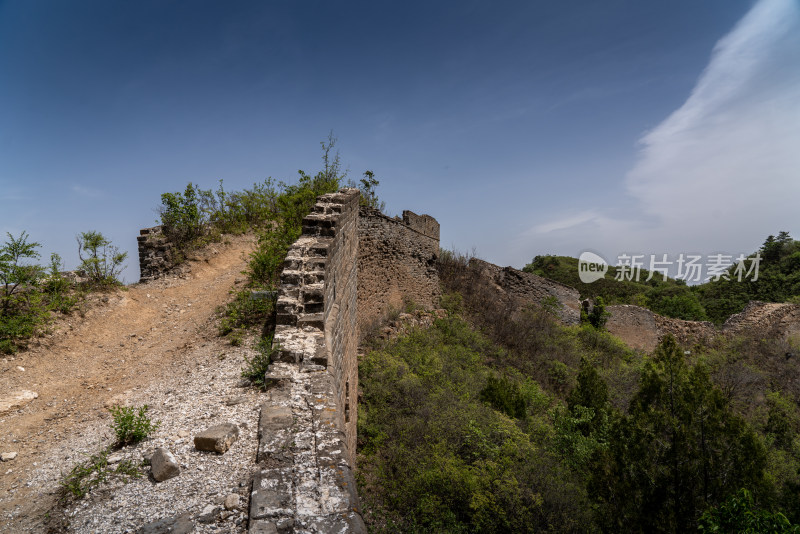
101	260
368	195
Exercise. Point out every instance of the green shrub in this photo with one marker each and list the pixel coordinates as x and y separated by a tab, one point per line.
369	197
181	216
23	310
505	396
598	316
244	312
739	514
101	260
257	367
131	425
94	471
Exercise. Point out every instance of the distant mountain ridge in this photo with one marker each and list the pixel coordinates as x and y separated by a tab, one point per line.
778	281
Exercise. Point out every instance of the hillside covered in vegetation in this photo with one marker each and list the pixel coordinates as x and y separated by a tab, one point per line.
778	281
497	419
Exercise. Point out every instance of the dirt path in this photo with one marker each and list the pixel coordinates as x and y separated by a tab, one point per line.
127	340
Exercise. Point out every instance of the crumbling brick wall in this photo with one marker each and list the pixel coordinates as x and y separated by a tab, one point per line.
396	263
317	302
642	329
157	256
307	431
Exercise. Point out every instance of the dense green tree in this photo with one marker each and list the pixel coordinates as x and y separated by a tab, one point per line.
16	271
679	451
590	392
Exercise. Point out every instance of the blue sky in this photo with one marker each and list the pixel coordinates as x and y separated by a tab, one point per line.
525	128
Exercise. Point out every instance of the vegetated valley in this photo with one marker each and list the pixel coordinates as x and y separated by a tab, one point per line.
500	419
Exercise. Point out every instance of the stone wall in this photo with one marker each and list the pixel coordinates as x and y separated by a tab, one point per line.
396	263
530	288
642	329
307	433
157	256
634	325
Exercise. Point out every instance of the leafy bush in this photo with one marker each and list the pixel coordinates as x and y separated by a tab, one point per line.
131	425
61	296
23	310
369	197
244	312
505	396
598	316
27	295
101	260
181	215
257	367
738	514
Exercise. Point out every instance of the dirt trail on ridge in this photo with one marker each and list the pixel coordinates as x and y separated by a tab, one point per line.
127	339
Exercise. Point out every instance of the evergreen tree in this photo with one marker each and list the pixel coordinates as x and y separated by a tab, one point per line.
679	451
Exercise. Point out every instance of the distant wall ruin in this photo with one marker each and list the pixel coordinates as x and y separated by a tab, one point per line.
396	263
642	329
639	327
157	255
530	288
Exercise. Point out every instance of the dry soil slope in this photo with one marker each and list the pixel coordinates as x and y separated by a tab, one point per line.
127	339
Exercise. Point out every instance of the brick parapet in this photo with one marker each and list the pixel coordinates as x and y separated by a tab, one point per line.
396	263
308	432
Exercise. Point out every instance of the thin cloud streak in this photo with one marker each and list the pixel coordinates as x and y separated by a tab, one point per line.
728	157
721	172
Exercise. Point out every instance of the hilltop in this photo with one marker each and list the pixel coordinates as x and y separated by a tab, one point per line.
715	301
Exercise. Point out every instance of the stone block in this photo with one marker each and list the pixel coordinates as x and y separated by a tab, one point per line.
272	494
163	465
217	438
262	527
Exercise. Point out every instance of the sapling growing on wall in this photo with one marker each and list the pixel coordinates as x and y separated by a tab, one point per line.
101	260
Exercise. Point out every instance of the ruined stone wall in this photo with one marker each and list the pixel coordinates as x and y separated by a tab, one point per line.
396	262
770	319
530	288
634	325
307	433
642	329
157	256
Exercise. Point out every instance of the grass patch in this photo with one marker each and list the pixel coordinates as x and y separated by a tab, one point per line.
93	472
131	425
255	368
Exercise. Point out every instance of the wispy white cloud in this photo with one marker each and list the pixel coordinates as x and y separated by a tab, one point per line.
723	170
88	192
565	223
725	164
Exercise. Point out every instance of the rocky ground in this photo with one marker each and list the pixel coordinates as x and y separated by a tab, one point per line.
154	344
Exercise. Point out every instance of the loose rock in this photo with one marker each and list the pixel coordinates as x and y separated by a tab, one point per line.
8	456
16	400
217	439
209	514
231	501
164	465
